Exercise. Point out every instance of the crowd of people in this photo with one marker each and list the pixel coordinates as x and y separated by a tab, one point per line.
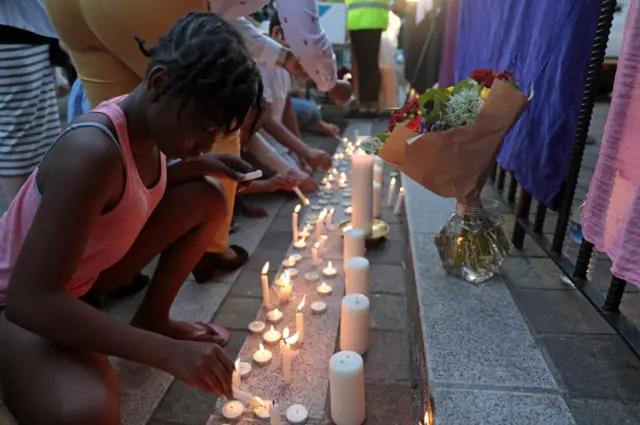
161	94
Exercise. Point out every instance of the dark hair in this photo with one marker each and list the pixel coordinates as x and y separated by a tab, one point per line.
274	22
208	65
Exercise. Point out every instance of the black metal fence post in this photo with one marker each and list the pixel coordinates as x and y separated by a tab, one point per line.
519	231
614	295
603	28
501	178
513	188
583	260
541	215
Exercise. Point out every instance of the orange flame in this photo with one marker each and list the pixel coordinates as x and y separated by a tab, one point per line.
301	305
265	268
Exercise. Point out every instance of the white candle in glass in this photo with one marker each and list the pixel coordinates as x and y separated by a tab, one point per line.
357	276
236	381
354	244
392	191
264	278
377	199
294	222
362	194
377	174
274	414
354	323
300	320
286	357
346	388
398	209
330	219
320	223
315	254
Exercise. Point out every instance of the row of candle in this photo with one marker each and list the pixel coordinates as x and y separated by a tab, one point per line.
234	410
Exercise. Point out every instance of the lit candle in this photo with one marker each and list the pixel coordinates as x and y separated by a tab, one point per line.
324	289
331	177
257	327
357	276
323	244
330	219
235	375
274	316
262	356
377	174
300	243
300	196
354	323
274	413
318	307
295	258
262	410
392	191
292	272
354	244
286	358
300	320
346	388
266	302
272	336
232	410
294	222
320	223
328	187
398	209
288	262
315	254
306	232
297	414
329	271
377	199
311	276
362	195
348	210
286	288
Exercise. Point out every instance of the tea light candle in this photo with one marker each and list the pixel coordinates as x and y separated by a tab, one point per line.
274	316
346	388
316	207
330	219
399	203
348	210
292	272
294	221
318	307
328	187
324	289
288	262
272	336
315	254
357	276
300	243
274	413
329	271
354	323
362	194
235	375
286	288
262	356
300	320
322	202
264	280
311	276
262	410
232	410
295	258
331	177
354	244
377	199
244	369
297	414
392	191
346	194
320	223
257	327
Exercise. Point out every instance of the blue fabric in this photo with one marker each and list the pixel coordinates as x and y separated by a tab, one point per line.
547	44
307	114
77	104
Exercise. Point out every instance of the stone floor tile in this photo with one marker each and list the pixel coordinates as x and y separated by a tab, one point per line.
532	273
235	342
389	405
471	407
598	412
388	279
277	240
389	252
530	247
388	312
237	312
559	312
388	358
397	233
249	283
257	260
282	224
185	405
600	367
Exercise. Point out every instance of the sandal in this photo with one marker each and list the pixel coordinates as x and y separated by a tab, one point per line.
209	329
210	263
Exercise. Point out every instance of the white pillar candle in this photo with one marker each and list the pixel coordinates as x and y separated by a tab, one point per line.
266	302
377	199
232	410
297	414
392	191
320	223
354	240
294	222
315	254
354	323
398	209
346	388
377	174
362	194
274	414
300	320
378	162
357	276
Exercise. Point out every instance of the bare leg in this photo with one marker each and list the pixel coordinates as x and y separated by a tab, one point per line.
45	384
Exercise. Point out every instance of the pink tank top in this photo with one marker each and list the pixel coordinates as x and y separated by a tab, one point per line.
113	233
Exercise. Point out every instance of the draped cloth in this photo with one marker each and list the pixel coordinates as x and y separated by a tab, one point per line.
446	77
547	44
611	215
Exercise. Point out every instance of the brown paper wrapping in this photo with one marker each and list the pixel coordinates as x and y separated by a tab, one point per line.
456	163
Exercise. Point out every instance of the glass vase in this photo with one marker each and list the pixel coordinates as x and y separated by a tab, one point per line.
472	244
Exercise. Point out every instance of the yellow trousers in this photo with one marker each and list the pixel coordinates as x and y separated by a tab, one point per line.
100	37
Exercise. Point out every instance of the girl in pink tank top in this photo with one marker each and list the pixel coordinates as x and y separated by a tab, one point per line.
102	204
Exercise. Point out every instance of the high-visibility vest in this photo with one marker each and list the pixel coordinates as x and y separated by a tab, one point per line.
367	14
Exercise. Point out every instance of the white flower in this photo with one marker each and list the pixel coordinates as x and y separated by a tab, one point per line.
462	108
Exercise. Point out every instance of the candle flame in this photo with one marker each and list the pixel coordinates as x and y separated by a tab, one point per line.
285	333
260	402
297	209
275	311
329	266
324	285
286	279
237	365
324	238
272	329
301	305
331	211
306	201
323	214
393	181
262	346
265	268
316	245
293	339
402	190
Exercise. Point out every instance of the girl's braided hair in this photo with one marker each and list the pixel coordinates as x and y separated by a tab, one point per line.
208	65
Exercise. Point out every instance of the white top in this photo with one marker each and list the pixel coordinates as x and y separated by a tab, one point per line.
277	85
28	15
301	26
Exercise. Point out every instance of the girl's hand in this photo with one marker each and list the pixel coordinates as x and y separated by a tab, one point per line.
318	159
281	181
224	166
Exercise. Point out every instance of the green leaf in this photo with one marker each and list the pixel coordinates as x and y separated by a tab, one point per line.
467	84
382	137
434	99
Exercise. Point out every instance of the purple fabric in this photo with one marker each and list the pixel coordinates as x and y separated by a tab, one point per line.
610	217
446	77
547	44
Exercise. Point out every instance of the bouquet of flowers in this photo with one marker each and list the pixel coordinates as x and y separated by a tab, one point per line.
447	140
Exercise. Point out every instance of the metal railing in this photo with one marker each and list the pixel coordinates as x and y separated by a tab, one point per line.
520	201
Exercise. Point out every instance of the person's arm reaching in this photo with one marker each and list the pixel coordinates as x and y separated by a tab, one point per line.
289	118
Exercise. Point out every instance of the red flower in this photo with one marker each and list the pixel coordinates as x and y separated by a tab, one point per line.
414	124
